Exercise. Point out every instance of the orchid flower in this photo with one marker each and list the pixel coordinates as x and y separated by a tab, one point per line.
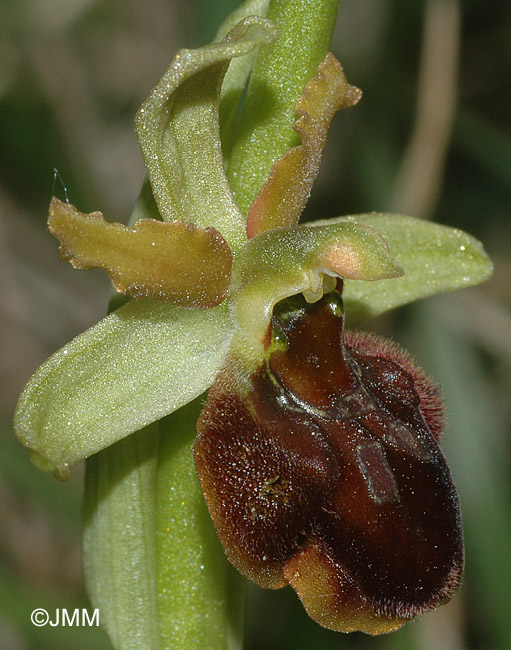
318	449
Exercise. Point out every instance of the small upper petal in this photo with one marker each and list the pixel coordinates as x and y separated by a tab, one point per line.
173	262
282	199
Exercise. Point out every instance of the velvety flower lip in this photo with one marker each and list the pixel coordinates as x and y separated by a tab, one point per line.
324	471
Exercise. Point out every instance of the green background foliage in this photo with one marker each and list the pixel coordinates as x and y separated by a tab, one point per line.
73	74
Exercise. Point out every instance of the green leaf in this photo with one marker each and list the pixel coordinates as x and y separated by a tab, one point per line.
435	259
284	261
140	363
119	553
178	132
153	564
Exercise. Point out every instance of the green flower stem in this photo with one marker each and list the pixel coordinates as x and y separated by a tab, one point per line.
200	595
278	78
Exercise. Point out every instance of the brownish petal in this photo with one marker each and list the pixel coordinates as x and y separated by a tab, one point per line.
323	470
174	262
282	199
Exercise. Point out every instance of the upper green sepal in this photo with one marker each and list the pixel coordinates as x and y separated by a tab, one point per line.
237	75
178	132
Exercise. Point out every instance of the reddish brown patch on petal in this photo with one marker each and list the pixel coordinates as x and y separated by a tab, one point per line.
325	471
256	484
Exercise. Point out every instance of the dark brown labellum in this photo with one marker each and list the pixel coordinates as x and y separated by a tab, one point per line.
326	473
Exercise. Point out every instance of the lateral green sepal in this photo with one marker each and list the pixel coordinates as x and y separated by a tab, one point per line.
137	365
435	259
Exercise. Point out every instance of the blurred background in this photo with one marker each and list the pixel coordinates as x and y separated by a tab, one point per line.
430	138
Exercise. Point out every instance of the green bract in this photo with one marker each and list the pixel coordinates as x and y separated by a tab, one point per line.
151	357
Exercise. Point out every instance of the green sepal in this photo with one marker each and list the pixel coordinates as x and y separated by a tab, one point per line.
137	365
435	259
178	133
